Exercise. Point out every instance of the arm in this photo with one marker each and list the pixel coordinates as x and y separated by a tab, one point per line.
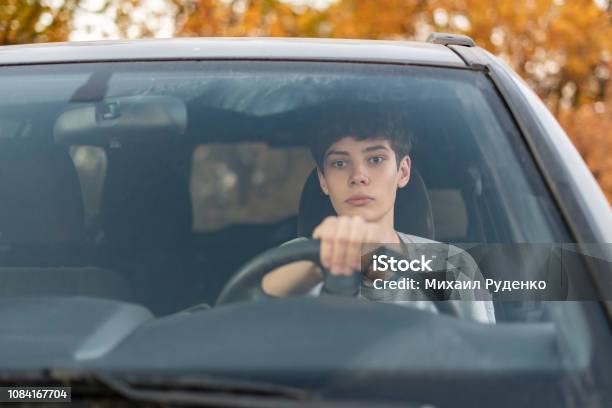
341	240
294	278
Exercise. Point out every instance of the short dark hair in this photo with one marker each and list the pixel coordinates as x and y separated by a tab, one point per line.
363	122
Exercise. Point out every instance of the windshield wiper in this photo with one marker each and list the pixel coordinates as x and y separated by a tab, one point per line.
205	391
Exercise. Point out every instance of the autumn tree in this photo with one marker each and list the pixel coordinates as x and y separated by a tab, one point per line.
562	48
265	18
29	21
590	127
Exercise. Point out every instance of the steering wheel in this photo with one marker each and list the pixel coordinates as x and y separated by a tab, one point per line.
245	285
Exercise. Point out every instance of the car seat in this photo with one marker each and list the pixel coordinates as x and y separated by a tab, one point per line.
42	227
40	196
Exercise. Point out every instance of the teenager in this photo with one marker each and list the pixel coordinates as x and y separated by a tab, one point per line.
360	169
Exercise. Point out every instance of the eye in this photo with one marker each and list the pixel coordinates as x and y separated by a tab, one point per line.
338	163
376	159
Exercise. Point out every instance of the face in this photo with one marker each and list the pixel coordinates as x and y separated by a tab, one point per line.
361	177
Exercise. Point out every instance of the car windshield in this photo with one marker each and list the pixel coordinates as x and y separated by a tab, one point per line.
157	181
153	183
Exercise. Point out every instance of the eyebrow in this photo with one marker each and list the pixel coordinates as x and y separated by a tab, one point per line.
367	149
340	152
373	148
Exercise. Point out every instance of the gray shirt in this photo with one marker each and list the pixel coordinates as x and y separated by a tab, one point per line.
458	265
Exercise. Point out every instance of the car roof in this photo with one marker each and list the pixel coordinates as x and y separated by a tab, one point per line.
406	52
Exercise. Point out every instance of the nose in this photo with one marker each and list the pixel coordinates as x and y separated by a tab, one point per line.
359	177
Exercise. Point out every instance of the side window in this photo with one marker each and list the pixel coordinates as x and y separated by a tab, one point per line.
246	183
90	163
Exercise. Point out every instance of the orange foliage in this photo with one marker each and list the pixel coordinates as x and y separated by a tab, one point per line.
272	18
26	21
590	128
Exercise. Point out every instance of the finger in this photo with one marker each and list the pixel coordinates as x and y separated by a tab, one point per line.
323	226
354	232
316	233
325	233
340	246
357	234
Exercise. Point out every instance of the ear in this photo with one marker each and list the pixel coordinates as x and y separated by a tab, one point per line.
404	171
322	181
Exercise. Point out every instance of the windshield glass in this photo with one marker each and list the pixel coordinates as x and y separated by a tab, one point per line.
154	182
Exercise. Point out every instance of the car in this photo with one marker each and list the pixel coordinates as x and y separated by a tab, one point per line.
148	186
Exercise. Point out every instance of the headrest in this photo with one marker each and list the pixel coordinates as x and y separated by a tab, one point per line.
40	197
413	213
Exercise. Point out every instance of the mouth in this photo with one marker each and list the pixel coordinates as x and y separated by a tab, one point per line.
359	200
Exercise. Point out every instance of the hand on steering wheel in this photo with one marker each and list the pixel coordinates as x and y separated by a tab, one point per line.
245	285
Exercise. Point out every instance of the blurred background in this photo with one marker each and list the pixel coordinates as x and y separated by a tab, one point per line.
562	48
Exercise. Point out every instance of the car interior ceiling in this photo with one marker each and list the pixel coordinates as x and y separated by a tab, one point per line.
146	212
